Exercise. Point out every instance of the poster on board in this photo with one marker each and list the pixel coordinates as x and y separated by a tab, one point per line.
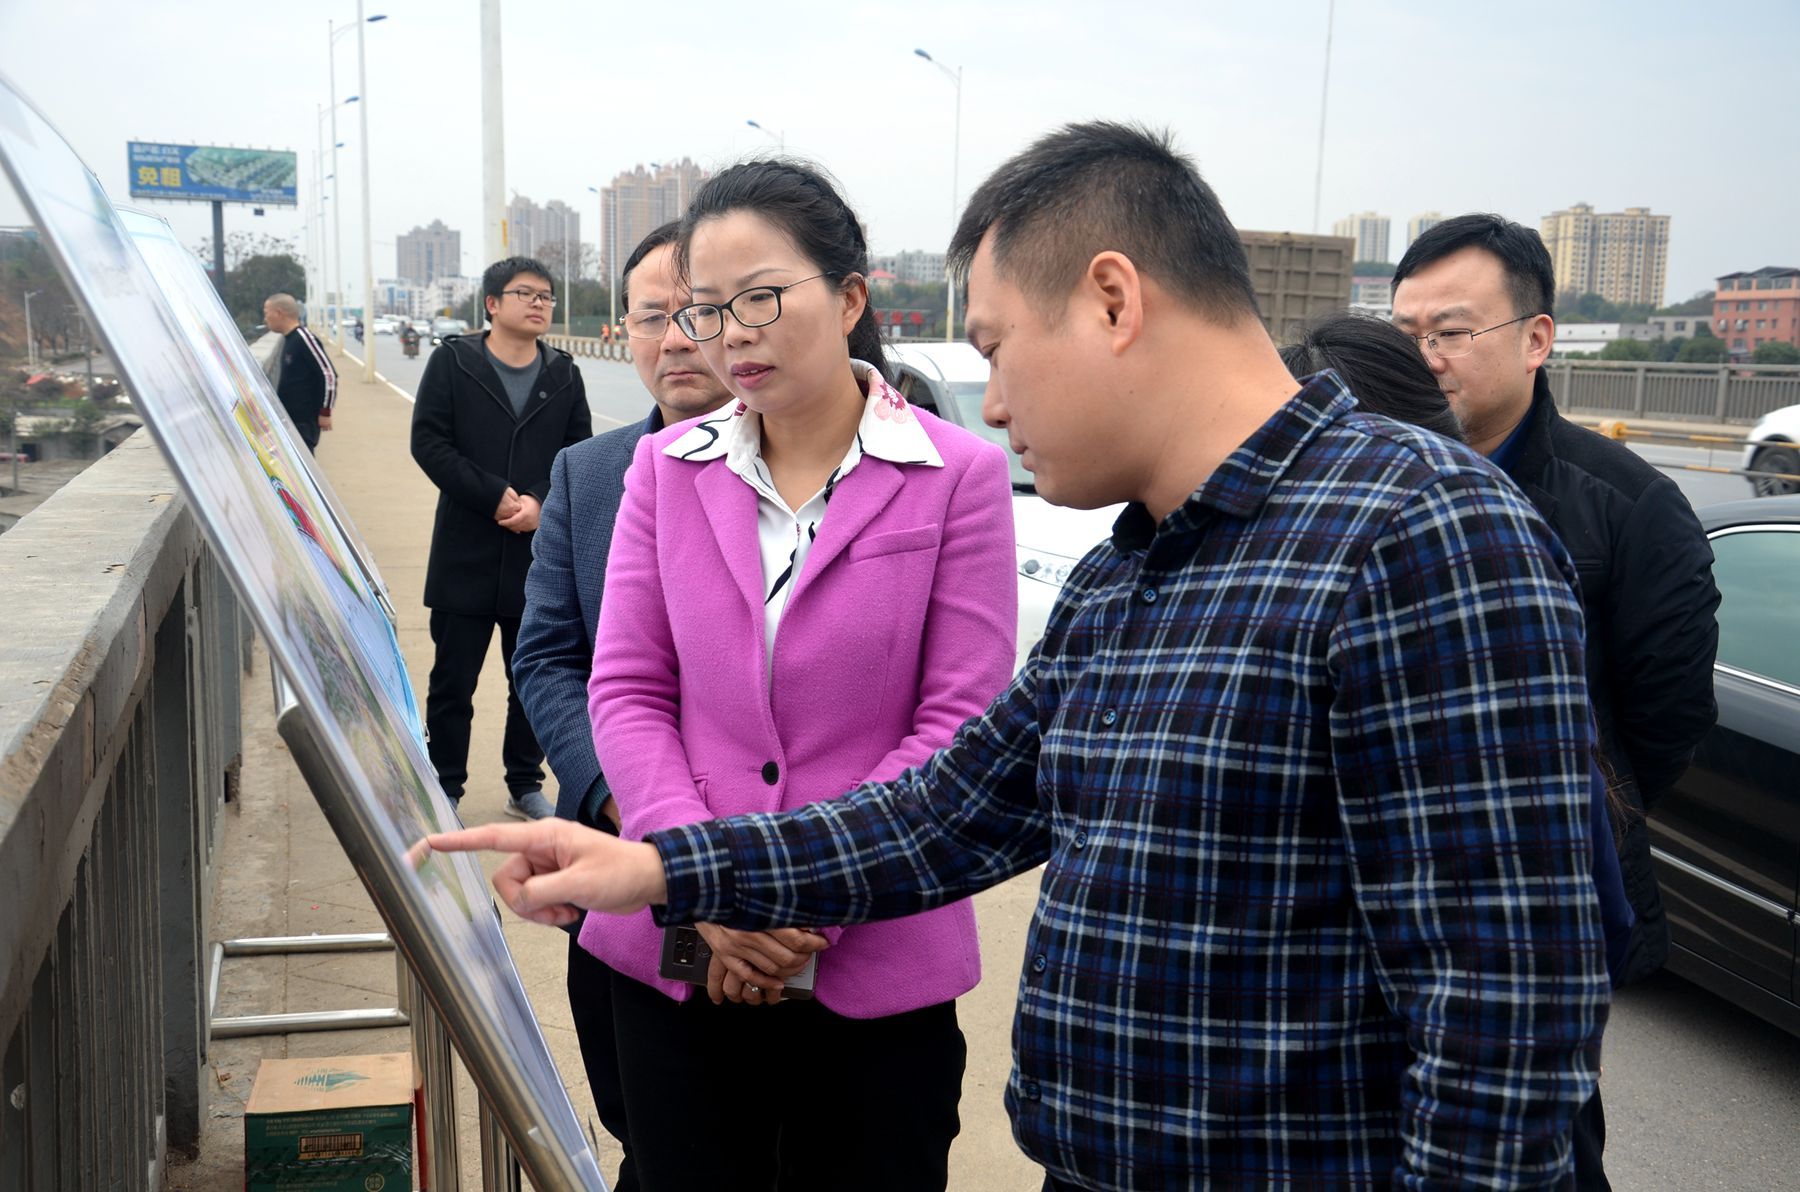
384	796
239	385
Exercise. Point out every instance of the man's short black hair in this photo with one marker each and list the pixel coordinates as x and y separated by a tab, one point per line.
496	277
1530	280
1098	187
669	233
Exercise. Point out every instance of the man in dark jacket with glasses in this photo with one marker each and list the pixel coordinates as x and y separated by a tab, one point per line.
1477	292
493	410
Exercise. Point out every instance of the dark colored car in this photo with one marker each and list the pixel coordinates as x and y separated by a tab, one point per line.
1727	838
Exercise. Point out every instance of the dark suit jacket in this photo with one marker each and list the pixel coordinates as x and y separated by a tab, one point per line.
555	653
473	447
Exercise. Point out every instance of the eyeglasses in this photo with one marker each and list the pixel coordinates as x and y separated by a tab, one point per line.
645	324
756	307
1459	341
532	297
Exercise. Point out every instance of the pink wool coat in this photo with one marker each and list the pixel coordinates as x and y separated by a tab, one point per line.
901	626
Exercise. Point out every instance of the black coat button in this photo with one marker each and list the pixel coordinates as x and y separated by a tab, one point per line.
1039	963
771	773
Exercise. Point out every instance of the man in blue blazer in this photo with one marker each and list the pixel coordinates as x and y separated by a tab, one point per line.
555	650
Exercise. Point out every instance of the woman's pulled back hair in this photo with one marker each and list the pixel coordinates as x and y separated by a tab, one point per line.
801	201
1380	364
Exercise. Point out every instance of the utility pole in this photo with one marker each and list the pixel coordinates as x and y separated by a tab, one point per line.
493	138
337	205
1324	96
30	340
362	91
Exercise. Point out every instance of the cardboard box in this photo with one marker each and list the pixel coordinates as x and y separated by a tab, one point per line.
330	1124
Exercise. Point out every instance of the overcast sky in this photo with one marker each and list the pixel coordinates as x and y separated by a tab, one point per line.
1521	107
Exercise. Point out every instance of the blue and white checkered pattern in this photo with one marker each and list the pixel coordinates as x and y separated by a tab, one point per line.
1308	765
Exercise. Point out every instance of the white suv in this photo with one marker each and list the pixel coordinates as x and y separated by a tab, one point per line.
950	379
1783	455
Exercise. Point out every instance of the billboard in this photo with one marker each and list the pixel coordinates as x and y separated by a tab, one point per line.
207	173
350	726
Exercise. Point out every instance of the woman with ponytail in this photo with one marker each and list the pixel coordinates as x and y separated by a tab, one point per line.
810	589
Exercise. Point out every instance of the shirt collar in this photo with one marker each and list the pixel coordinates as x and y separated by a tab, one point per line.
889	430
1506	456
1246	477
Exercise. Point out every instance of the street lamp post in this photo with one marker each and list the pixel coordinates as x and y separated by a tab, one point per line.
780	138
328	238
362	91
30	340
333	31
611	232
600	241
955	77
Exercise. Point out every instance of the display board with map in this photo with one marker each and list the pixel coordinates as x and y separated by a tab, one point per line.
184	366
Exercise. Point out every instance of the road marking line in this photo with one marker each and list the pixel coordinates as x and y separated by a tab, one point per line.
410	399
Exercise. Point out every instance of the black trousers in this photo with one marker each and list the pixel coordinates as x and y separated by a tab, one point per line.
591	1005
789	1097
462	646
1590	1147
309	434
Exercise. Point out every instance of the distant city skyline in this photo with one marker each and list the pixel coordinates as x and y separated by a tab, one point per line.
588	97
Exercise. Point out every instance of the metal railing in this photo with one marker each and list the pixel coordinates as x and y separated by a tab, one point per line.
596	349
1720	393
120	740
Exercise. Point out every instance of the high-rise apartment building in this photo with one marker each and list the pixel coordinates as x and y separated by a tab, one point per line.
1623	256
638	202
551	233
1421	223
1369	230
428	253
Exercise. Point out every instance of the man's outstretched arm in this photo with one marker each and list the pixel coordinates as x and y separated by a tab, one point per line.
966	820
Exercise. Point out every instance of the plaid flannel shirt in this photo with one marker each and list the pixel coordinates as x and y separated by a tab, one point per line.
1308	765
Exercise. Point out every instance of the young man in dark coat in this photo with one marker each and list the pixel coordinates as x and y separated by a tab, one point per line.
1477	292
562	608
493	410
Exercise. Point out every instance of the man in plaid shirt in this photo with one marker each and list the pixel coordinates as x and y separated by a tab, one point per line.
1304	750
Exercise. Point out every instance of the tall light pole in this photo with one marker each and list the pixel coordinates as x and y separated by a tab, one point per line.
332	274
611	232
333	31
362	91
600	251
30	340
493	137
955	77
780	138
1324	95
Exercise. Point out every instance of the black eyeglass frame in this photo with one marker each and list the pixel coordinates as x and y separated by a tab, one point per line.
532	297
1426	341
625	322
729	307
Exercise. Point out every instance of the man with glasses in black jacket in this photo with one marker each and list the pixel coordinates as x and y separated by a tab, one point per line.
1477	292
493	410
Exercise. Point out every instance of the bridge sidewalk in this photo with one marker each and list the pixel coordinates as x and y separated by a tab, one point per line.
282	872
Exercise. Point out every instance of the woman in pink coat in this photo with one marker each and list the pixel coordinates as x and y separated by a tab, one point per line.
809	589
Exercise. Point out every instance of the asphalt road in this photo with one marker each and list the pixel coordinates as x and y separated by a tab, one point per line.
1698	1094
